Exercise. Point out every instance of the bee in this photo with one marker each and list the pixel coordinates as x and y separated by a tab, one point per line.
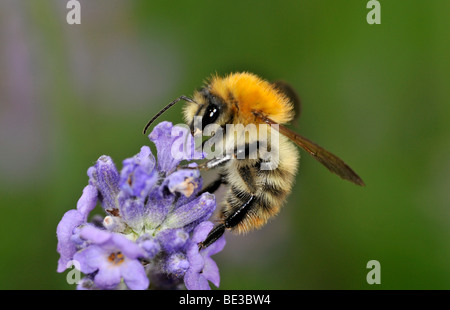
254	195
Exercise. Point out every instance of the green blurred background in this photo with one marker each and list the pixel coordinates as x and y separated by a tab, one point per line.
376	95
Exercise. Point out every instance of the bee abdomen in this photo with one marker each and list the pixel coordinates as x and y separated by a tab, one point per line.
259	207
255	194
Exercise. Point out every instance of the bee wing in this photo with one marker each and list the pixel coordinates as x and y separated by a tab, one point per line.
329	160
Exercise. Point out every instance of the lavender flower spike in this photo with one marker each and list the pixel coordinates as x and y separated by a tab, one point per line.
154	220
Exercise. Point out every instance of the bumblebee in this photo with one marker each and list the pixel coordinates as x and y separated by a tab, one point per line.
254	195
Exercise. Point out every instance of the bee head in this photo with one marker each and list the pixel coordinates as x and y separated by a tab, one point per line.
206	109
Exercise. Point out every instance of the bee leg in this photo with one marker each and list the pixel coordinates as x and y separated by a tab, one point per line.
215	162
231	221
236	217
210	164
213	186
212	237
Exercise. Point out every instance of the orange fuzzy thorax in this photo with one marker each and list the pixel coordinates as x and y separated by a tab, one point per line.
249	92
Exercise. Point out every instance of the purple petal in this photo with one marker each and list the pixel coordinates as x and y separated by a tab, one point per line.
132	212
66	248
214	248
105	177
182	199
201	231
87	201
76	239
177	264
138	175
91	259
72	219
151	247
108	278
127	247
161	136
134	275
95	235
196	260
195	281
112	241
172	240
173	144
195	211
157	208
211	271
183	147
184	181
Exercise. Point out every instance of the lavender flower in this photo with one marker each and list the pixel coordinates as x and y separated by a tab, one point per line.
201	266
154	220
113	257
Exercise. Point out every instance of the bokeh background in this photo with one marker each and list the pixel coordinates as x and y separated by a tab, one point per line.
376	95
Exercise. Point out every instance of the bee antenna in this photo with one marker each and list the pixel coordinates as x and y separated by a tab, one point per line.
164	110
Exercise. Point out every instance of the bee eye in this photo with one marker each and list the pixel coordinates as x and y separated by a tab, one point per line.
211	114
